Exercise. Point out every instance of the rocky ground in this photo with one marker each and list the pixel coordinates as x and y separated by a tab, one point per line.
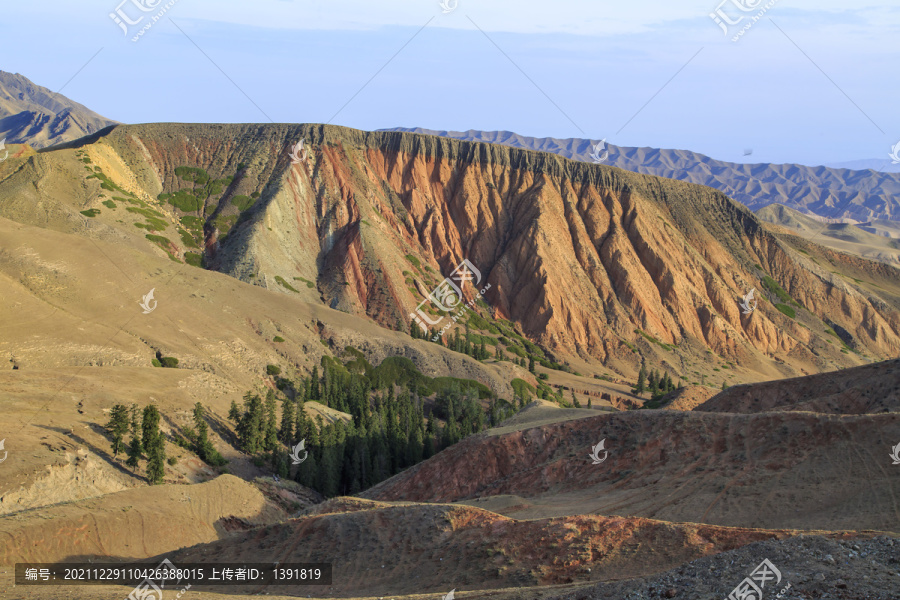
814	567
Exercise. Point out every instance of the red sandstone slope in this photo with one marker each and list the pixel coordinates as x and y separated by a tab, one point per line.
588	260
769	470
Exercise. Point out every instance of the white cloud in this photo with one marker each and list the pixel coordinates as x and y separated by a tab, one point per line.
603	17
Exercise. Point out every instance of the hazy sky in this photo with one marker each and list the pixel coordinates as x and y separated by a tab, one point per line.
810	81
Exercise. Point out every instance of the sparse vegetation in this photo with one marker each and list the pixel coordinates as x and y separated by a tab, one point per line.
281	281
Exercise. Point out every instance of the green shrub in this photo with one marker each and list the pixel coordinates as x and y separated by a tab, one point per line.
198	176
224	223
155	362
172	460
193	259
109	204
187	239
91	212
786	310
774	288
278	339
192	222
414	261
516	350
185	201
160	240
169	362
154	218
273	370
522	388
285	284
242	202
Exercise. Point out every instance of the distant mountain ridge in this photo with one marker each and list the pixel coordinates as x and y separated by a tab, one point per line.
33	115
826	192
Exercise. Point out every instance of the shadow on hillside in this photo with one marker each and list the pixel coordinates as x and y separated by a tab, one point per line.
98	452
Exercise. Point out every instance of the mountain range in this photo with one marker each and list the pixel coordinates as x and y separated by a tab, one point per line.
834	193
595	265
33	115
188	306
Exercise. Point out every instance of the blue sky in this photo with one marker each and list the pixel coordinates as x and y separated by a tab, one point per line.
809	82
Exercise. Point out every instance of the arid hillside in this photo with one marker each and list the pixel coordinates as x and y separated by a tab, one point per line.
770	470
862	390
599	267
868	239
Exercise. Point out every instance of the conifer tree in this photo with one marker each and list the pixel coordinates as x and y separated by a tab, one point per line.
149	427
575	401
118	426
640	386
234	413
286	433
302	424
252	425
314	385
135	419
201	443
134	452
271	427
307	472
156	465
